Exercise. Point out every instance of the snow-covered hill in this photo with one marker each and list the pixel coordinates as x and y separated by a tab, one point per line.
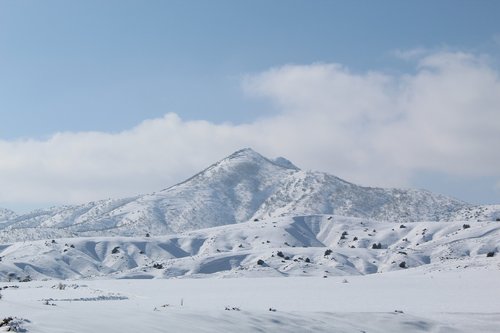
242	187
6	215
319	245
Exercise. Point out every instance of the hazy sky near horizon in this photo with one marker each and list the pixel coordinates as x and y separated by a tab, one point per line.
113	98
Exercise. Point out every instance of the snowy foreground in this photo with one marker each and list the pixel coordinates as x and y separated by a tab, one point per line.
414	300
318	273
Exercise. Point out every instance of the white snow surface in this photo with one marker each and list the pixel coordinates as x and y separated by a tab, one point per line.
406	301
242	187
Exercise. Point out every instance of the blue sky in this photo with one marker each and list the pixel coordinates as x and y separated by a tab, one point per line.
107	66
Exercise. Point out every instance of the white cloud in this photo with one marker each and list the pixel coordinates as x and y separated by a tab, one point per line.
371	128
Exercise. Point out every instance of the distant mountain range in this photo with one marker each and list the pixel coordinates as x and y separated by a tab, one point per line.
244	186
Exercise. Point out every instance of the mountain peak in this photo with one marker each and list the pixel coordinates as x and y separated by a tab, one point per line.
248	154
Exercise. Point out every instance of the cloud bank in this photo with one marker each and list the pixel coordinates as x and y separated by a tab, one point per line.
371	128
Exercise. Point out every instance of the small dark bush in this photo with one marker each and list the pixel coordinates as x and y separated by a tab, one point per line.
355	238
308	260
260	262
148	235
328	252
158	266
466	226
280	254
490	254
377	246
5	321
342	237
498	219
402	226
27	278
345	233
403	264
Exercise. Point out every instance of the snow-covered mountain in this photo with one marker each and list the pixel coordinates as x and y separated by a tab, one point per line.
244	186
319	245
6	215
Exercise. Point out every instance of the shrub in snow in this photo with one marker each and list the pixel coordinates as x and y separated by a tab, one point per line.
466	226
490	254
376	246
403	264
498	219
27	278
272	310
280	254
12	324
234	308
402	226
328	252
158	266
355	238
115	250
260	262
308	260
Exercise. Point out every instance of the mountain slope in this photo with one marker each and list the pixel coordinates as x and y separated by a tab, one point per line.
6	215
244	186
319	245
